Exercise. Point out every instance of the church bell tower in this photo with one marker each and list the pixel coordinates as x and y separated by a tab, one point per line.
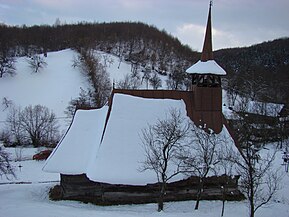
206	85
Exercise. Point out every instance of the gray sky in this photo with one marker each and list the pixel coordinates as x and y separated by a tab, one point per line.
235	22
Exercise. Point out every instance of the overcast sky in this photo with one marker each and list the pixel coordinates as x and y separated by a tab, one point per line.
235	22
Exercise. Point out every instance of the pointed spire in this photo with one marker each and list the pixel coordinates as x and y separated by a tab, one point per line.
207	64
207	53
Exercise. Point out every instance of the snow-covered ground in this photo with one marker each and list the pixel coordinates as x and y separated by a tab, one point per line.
30	199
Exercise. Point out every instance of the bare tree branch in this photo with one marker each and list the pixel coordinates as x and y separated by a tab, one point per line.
162	144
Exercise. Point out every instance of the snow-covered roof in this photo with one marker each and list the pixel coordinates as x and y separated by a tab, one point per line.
117	158
206	67
72	154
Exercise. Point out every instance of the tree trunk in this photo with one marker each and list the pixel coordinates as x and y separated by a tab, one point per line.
161	203
161	198
251	192
252	212
223	200
199	192
223	208
35	141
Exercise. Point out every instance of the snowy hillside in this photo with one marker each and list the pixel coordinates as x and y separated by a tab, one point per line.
54	86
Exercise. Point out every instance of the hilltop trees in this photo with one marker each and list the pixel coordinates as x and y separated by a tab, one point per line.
139	44
144	45
258	71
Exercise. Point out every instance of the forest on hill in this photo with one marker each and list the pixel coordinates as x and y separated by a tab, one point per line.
259	72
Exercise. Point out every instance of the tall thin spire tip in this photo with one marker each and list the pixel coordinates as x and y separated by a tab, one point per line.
207	53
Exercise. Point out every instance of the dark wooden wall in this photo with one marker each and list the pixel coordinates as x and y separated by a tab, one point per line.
79	187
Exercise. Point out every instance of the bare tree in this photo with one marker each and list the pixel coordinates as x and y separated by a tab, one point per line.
15	133
146	76
125	83
201	157
155	81
39	123
5	168
107	60
84	100
36	63
176	79
6	103
259	181
130	81
34	124
7	65
254	84
227	153
233	85
162	142
232	94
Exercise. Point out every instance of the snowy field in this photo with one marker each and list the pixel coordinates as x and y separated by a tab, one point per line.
27	196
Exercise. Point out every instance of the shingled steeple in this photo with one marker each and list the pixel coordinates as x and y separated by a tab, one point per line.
207	53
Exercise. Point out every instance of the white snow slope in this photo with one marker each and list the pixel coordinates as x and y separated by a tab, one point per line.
54	86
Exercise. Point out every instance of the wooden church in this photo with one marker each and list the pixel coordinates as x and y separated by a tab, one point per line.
99	157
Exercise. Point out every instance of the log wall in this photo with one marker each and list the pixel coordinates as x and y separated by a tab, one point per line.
80	188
